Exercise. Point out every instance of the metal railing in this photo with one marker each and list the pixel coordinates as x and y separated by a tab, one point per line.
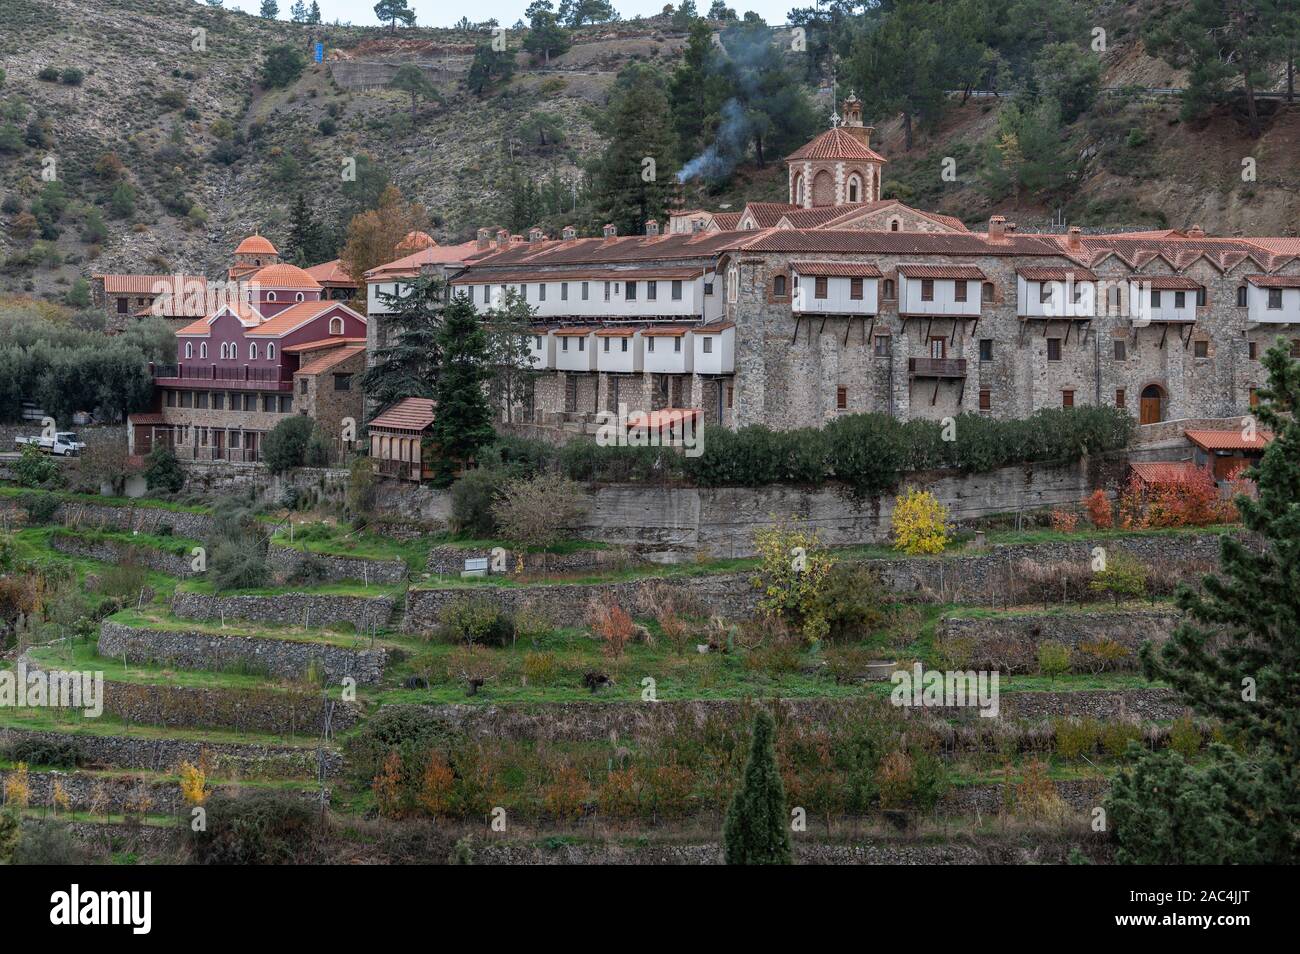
937	367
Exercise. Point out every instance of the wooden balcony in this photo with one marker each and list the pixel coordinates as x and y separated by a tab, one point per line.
401	469
217	377
936	367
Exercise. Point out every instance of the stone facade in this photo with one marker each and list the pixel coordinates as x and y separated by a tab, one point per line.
333	395
278	658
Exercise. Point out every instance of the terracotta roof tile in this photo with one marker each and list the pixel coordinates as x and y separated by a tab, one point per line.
727	221
409	266
867	242
1228	440
666	331
330	359
836	143
146	419
255	245
1168	282
149	284
1274	281
836	269
408	414
1164	472
1048	274
295	316
958	272
308	346
332	274
606	274
284	275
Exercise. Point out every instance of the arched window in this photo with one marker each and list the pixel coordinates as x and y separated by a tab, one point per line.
895	225
336	325
1241	296
189	349
203	349
299	297
252	351
887	288
223	351
733	284
855	189
270	296
986	292
270	352
798	190
778	286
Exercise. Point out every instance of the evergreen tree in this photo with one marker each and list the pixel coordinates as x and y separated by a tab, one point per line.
308	242
270	9
407	359
488	68
410	79
462	422
313	15
391	11
507	327
545	34
697	91
298	12
1235	658
755	832
633	179
897	65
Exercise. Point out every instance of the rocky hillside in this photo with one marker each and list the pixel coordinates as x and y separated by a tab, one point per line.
209	155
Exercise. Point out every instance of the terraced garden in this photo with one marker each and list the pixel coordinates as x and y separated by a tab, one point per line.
604	704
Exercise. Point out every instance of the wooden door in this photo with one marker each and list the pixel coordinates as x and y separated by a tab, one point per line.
1149	411
938	347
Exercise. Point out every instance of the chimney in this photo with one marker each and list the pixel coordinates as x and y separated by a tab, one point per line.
535	234
651	227
997	228
569	233
610	230
503	238
1011	227
1072	239
1196	232
696	225
484	239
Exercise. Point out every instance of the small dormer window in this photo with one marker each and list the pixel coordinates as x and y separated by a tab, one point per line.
270	296
894	225
336	325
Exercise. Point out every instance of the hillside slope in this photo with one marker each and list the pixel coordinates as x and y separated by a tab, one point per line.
163	107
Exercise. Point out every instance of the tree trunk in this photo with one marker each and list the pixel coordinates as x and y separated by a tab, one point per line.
758	150
1290	73
907	130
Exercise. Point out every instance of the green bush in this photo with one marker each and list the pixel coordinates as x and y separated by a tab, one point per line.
472	497
53	753
38	507
294	442
162	471
34	468
475	621
256	828
852	601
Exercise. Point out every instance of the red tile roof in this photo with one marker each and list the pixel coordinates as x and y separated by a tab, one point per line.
572	332
408	266
331	359
607	274
1228	440
714	327
666	331
767	214
284	275
969	272
616	332
1274	281
248	316
836	143
331	274
861	241
1164	472
726	221
295	316
674	246
146	419
836	269
148	284
255	245
1045	274
408	414
664	417
308	346
1174	282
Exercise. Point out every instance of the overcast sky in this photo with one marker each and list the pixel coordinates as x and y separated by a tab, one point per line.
445	13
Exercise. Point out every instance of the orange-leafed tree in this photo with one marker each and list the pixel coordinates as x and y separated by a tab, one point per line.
373	236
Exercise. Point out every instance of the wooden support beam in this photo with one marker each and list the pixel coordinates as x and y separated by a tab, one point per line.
848	326
928	326
819	330
934	398
1164	333
1069	326
795	339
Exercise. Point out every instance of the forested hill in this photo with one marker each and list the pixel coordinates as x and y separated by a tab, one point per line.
173	128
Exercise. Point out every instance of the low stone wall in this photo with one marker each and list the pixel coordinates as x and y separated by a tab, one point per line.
565	604
296	712
1009	643
280	658
366	613
450	561
584	721
1007	574
116	551
76	513
227	759
107	794
291	563
1082	795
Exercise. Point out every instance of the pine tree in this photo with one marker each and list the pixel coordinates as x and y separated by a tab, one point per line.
1236	658
633	180
314	15
462	421
507	330
308	244
755	831
391	11
410	79
270	9
408	355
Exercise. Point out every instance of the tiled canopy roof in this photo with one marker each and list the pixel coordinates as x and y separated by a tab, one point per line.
1274	281
1164	472
149	284
958	272
330	359
408	414
836	269
836	143
331	273
1228	440
1168	282
1047	274
297	315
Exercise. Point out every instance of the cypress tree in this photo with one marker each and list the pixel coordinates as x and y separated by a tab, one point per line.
1235	658
408	358
462	421
755	831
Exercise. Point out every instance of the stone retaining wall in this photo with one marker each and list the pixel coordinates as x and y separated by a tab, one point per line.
117	551
565	604
450	561
1009	643
227	759
259	710
1082	795
108	794
366	613
291	563
279	658
76	513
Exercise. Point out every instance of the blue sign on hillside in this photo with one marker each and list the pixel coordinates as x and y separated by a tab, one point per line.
320	52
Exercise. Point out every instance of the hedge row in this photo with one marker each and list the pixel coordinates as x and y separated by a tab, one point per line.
869	453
